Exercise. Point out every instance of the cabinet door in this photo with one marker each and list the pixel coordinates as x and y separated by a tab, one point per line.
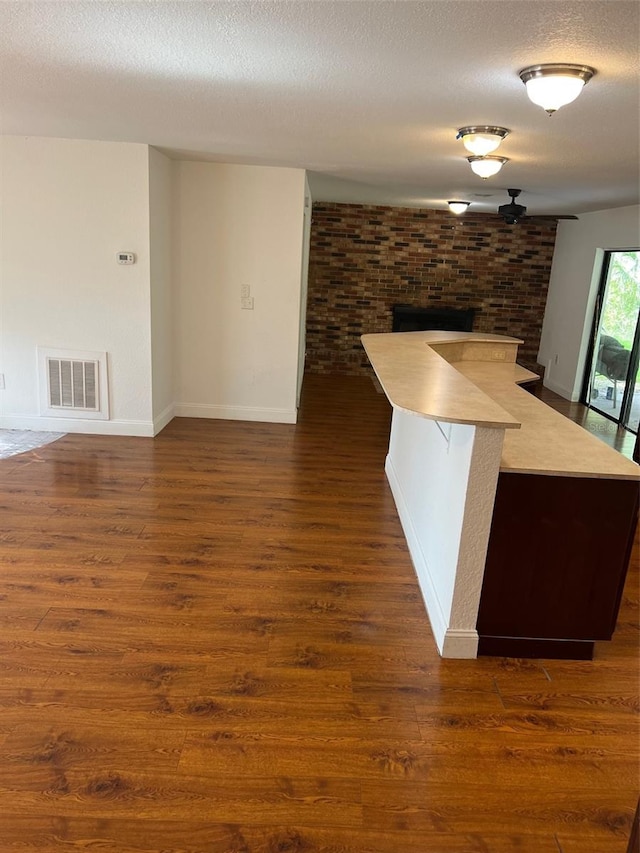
558	555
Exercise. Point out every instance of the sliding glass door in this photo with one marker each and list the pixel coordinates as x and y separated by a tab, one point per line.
612	378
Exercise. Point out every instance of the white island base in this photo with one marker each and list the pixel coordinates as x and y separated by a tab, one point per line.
443	478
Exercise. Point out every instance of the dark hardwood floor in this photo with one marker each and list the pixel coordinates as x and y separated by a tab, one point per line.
213	641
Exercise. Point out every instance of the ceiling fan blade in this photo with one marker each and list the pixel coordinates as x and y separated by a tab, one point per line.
551	216
514	212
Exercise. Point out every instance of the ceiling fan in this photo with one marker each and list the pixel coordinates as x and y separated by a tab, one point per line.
513	212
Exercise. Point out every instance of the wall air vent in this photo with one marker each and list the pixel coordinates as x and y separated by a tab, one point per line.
73	384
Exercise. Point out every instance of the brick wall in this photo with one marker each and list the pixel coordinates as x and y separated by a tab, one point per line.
364	259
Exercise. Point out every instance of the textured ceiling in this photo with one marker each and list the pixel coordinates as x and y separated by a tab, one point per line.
365	95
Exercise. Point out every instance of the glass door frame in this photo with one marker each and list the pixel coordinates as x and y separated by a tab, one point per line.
634	358
627	399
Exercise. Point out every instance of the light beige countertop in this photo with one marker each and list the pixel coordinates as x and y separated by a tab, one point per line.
547	442
480	387
419	380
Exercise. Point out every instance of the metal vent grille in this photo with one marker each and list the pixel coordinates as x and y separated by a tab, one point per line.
73	384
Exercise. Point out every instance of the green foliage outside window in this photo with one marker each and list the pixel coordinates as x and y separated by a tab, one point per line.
622	297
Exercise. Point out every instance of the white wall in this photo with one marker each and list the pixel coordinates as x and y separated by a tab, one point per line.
67	207
161	235
572	290
304	287
234	226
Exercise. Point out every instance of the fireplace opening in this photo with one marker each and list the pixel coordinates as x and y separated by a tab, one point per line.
411	318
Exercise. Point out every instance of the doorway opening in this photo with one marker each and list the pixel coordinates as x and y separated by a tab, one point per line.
612	378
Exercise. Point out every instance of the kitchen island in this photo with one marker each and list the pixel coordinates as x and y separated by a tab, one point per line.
518	521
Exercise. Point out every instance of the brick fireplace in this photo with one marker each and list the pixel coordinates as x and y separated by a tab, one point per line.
364	259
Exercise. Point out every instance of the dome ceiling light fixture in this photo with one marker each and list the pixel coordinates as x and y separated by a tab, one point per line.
482	139
485	167
556	84
458	207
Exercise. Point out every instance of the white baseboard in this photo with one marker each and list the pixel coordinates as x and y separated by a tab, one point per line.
165	417
567	393
149	428
459	643
451	642
111	427
235	413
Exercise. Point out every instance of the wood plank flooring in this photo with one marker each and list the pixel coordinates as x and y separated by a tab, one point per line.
214	642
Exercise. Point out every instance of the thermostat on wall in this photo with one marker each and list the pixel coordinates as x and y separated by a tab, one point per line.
126	258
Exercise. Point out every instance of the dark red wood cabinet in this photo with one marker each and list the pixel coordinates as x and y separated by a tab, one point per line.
557	559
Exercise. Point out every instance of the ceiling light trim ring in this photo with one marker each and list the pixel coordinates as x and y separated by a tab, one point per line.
557	69
491	129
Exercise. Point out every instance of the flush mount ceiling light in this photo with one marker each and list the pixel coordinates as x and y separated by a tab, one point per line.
458	207
554	85
485	167
481	139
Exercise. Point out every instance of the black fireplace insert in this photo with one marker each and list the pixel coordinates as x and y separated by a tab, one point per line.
412	318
